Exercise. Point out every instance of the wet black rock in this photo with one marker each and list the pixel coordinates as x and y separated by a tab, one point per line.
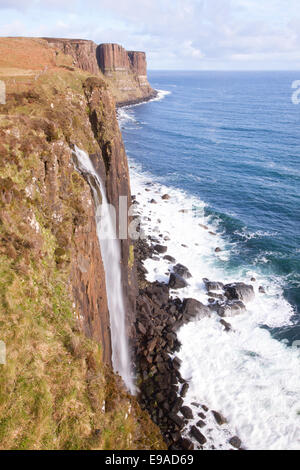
197	435
176	419
184	389
235	442
261	290
177	405
177	282
160	248
239	291
170	258
210	285
226	325
187	412
200	424
193	308
186	444
231	308
182	271
165	197
219	418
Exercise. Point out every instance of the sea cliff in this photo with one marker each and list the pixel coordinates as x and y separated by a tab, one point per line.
58	390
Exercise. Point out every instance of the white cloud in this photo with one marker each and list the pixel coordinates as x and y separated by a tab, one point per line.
174	33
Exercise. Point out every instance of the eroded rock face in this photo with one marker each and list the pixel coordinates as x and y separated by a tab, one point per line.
82	51
125	72
239	291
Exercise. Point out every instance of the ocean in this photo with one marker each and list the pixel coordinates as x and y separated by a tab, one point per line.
225	147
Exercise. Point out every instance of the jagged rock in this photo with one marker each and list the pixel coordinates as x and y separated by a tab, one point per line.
182	271
187	412
177	405
192	308
210	285
261	290
205	408
219	418
176	419
186	444
235	442
200	424
151	345
160	248
226	325
176	436
214	295
177	282
176	363
201	415
239	291
184	389
231	309
198	435
141	328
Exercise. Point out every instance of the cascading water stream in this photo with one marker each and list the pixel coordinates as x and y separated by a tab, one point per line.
110	251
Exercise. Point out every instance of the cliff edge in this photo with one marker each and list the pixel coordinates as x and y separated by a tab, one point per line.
57	388
125	71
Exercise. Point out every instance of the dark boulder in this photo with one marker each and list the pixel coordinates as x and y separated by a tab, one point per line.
187	412
160	248
176	419
186	444
200	424
235	442
197	435
184	390
210	285
170	258
177	405
165	197
226	325
219	418
231	309
239	291
182	271
177	282
193	308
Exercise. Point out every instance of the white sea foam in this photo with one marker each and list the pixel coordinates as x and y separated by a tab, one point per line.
248	376
126	113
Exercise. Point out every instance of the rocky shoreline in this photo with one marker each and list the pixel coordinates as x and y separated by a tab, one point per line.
122	104
159	317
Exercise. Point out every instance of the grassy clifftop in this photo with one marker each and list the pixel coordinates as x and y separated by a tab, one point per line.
56	392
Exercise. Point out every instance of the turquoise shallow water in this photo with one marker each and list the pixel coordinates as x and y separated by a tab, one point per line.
231	140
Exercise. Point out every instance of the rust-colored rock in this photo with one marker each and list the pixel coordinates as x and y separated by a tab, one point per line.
82	51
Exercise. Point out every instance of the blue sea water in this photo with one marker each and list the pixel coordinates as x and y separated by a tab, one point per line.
231	139
227	144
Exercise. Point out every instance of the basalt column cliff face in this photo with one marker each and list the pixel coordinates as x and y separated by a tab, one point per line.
57	389
127	72
124	71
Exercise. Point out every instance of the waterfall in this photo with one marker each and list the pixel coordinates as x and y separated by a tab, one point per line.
111	256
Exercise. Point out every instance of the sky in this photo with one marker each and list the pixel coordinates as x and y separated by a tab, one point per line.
175	34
